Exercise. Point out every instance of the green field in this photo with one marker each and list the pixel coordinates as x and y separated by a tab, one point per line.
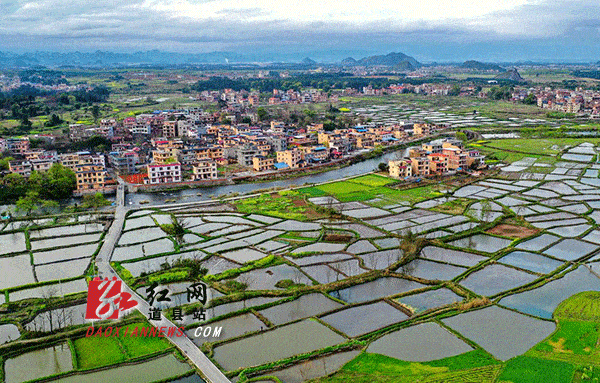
96	351
372	180
540	146
525	369
288	205
573	338
583	306
370	187
456	206
474	366
577	337
570	354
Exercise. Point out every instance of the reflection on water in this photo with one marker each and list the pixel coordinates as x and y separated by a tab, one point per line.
191	195
39	363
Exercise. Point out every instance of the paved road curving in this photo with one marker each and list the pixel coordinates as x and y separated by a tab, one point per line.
209	371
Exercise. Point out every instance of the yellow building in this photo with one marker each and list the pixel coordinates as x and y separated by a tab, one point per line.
261	164
205	170
420	166
421	129
91	177
291	157
164	156
400	168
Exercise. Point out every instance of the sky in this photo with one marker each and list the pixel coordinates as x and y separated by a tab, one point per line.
325	30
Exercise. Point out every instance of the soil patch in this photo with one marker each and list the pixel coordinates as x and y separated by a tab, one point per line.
513	231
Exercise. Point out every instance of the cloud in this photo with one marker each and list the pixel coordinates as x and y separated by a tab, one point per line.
204	25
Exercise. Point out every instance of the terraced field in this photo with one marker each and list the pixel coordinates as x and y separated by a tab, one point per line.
486	281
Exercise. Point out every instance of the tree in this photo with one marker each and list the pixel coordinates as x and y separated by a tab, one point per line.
29	203
94	201
54	120
96	113
262	114
531	99
61	182
499	93
13	186
4	163
455	90
25	123
32	202
383	167
461	136
329	126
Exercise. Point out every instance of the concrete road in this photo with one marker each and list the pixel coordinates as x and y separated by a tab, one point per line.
209	371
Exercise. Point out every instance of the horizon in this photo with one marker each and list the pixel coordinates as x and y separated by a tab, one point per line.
431	31
282	60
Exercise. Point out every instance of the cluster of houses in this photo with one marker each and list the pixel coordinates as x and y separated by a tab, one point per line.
8	83
190	150
569	101
435	158
244	99
90	168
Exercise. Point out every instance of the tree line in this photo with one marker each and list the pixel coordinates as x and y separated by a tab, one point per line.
57	183
324	81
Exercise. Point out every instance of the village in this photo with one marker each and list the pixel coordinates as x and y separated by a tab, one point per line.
168	148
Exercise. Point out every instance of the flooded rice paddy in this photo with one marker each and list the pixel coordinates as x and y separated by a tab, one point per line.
282	264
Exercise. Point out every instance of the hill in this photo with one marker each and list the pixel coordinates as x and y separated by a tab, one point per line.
478	65
391	59
308	61
511	75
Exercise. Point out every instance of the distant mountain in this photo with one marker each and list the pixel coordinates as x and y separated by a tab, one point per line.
478	65
511	75
391	59
102	58
348	61
404	66
308	61
398	60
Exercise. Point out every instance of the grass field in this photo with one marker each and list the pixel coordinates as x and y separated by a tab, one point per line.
550	146
583	306
140	346
573	338
456	206
474	366
370	187
578	335
505	109
577	338
372	180
288	205
525	369
94	352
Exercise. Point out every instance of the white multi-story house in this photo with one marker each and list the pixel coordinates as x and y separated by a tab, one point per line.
164	173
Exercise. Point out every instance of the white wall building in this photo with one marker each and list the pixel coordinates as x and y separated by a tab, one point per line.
164	173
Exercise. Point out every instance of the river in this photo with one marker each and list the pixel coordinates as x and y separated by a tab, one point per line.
191	195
